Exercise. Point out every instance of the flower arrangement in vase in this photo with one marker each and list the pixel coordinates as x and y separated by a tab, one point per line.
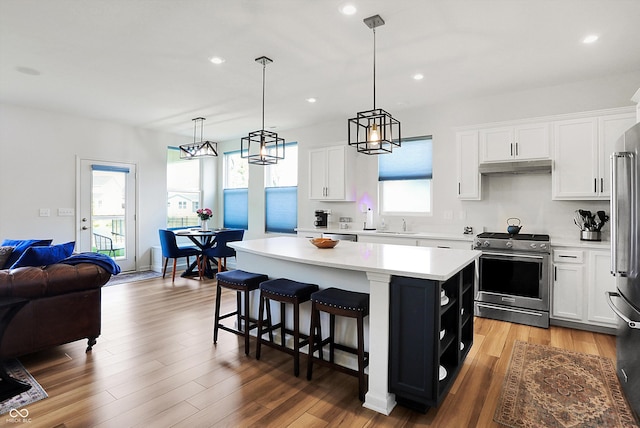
204	214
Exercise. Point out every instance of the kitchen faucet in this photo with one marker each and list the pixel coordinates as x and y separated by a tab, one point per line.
404	225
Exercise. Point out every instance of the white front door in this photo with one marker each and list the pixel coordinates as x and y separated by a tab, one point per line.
107	211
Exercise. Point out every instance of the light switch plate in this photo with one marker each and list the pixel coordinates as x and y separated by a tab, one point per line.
65	212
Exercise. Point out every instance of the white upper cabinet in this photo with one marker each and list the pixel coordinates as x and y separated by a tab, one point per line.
610	128
330	174
581	155
515	143
468	176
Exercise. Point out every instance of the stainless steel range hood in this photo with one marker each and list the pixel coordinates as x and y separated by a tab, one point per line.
521	167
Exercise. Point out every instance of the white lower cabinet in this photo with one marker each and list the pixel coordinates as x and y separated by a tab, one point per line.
310	235
382	239
442	243
568	285
600	281
580	279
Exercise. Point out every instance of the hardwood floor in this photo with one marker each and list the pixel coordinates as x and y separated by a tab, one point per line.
155	365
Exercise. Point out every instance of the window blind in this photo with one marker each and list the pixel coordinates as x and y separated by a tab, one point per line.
281	209
412	161
236	208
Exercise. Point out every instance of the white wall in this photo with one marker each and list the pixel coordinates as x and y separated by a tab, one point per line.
38	152
525	196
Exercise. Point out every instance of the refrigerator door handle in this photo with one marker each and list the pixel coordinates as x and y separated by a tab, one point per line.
614	308
619	267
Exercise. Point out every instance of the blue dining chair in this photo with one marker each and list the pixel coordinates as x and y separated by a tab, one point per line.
171	250
220	250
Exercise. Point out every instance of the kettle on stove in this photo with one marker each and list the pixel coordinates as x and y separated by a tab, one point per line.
513	229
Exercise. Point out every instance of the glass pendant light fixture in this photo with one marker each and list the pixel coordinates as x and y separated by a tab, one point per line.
375	131
201	148
262	147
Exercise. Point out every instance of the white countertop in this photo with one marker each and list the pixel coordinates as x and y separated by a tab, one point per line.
409	261
577	243
555	242
391	234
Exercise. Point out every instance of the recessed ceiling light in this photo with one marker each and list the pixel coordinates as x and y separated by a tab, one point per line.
217	60
311	100
348	9
590	38
418	76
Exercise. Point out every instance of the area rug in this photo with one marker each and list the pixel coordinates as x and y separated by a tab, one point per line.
552	387
17	371
132	277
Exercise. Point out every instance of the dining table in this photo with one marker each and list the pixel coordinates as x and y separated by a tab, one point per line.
203	239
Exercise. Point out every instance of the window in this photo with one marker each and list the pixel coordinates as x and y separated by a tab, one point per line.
183	189
236	191
404	178
281	193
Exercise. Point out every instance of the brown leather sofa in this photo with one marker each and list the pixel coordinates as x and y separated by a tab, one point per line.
64	306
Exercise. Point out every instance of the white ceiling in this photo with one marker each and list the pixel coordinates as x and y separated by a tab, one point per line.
146	62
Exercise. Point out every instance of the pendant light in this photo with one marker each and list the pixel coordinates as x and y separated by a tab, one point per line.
262	147
375	131
201	148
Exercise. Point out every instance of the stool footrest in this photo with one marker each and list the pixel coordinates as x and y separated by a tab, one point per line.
253	323
230	314
287	331
337	367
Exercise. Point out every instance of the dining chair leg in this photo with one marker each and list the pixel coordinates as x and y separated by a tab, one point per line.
173	276
164	271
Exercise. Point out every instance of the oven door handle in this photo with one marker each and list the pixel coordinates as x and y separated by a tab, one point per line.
614	308
512	255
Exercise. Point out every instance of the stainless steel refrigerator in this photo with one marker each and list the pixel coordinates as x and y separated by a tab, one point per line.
625	260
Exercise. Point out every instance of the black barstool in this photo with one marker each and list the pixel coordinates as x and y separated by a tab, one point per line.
284	291
241	282
351	304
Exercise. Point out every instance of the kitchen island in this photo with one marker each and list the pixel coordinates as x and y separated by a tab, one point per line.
365	267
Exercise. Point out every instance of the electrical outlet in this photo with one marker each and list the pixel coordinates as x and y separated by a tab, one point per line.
448	215
65	212
45	212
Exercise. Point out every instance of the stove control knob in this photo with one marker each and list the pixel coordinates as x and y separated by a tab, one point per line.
509	244
486	243
543	246
477	244
533	246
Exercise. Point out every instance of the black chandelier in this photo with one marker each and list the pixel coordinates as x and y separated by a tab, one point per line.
262	147
375	131
200	148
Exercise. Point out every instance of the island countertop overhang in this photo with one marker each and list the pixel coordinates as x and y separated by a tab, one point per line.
437	264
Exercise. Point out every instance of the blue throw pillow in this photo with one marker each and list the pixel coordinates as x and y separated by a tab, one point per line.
43	256
20	246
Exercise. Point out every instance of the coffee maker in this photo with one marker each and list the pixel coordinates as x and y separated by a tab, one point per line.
322	218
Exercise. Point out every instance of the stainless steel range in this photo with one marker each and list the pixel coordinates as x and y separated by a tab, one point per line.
513	278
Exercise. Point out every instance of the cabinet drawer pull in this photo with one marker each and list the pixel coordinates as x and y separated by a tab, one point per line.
601	185
568	257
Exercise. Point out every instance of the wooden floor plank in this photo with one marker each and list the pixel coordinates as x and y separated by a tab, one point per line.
155	365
